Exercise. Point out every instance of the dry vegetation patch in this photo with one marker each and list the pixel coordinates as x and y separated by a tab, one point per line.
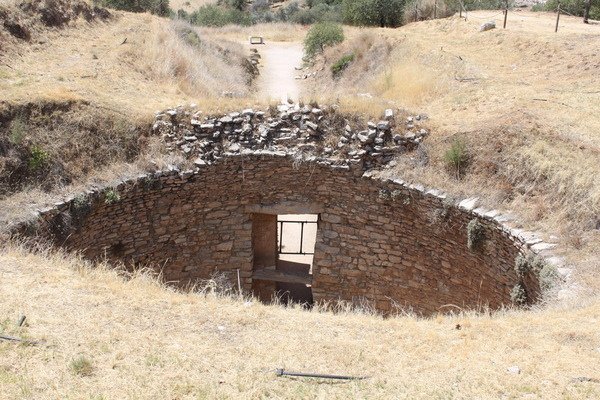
524	100
109	334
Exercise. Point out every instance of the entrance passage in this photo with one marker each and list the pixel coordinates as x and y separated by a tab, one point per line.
283	255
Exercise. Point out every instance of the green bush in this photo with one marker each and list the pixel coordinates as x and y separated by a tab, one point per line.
457	158
82	366
518	295
158	7
340	65
475	234
112	196
549	277
217	16
321	12
373	12
322	35
37	159
17	131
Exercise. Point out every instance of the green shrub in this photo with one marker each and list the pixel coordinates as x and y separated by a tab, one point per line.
237	4
321	12
522	265
82	366
17	131
340	65
322	35
112	196
217	16
37	159
548	277
518	295
373	12
457	158
158	7
475	234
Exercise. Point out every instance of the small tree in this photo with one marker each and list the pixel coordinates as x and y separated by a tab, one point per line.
457	157
373	12
322	35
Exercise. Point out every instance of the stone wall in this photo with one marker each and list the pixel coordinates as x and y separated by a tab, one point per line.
383	242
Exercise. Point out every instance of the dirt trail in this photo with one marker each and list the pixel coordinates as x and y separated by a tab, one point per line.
277	76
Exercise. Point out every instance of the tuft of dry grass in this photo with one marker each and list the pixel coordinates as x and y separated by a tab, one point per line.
408	84
134	63
146	341
196	64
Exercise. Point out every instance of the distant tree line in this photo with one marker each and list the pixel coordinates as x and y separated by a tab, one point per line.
383	13
158	7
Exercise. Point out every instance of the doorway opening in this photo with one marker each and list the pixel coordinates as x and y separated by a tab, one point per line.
284	248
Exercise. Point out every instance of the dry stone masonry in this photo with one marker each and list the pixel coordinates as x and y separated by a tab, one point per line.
289	128
383	242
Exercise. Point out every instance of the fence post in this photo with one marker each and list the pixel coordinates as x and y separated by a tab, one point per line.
505	15
557	17
435	9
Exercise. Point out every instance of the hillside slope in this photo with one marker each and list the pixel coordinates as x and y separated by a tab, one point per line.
523	100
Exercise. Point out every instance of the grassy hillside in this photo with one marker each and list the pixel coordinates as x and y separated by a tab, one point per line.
523	100
106	336
78	99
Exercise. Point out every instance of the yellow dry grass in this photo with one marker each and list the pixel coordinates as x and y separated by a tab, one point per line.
134	64
143	341
271	32
524	99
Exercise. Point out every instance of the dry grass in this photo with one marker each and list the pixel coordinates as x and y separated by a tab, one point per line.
142	340
197	65
525	99
19	206
154	69
272	32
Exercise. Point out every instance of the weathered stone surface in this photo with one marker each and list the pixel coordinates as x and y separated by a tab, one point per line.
370	246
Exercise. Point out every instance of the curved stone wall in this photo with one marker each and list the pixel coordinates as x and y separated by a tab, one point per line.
385	242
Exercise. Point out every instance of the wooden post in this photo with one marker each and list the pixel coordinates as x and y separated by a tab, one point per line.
435	9
505	15
557	17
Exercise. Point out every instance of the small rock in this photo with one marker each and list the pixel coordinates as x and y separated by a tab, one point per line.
514	370
487	26
312	125
388	114
383	125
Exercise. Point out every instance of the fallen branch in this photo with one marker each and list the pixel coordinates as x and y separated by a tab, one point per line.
465	79
282	372
16	339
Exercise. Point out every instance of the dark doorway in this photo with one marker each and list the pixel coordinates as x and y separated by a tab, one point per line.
283	255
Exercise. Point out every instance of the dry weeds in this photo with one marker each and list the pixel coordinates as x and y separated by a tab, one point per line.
524	99
143	340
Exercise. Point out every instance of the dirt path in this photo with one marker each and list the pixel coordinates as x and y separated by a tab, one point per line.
277	79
